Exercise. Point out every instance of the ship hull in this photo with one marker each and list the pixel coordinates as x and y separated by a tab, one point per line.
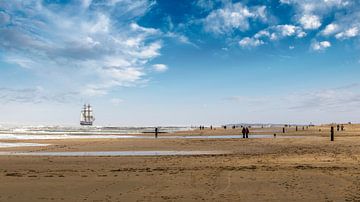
83	123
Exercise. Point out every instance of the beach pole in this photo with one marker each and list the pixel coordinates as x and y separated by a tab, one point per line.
332	133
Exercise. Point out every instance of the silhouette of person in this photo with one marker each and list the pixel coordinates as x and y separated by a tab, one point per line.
247	132
156	132
243	132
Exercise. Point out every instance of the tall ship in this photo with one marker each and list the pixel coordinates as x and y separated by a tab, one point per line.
86	116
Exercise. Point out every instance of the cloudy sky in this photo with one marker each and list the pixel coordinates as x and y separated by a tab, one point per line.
161	62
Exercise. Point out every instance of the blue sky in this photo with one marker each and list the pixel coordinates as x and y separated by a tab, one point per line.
160	62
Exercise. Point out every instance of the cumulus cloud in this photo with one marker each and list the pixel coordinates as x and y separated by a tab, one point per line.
349	33
330	29
345	23
320	46
310	21
272	33
309	13
287	30
250	42
233	17
160	67
105	48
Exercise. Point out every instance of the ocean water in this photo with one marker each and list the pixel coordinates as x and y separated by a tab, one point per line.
48	133
56	132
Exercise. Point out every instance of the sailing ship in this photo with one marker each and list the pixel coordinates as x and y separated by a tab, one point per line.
86	116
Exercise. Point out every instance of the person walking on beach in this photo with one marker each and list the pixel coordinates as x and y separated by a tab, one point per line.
156	132
247	132
243	132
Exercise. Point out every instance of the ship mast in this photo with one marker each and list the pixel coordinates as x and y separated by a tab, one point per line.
86	116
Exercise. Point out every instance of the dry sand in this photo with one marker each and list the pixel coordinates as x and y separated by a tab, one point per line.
301	169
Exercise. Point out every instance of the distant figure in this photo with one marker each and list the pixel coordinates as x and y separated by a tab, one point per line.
338	127
296	128
244	132
342	127
225	127
156	132
283	130
247	132
233	127
274	135
211	127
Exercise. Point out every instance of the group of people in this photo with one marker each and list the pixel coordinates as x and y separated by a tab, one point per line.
338	127
245	131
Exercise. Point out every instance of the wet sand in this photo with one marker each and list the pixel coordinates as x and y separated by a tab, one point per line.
310	168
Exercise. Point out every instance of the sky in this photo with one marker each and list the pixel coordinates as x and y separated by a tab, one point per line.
180	62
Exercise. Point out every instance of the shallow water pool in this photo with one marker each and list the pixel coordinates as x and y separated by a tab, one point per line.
21	144
113	153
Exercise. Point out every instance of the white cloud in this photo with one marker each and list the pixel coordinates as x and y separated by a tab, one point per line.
101	52
310	21
272	33
330	29
233	17
205	4
345	98
337	99
349	33
289	30
160	67
250	42
35	95
320	46
309	13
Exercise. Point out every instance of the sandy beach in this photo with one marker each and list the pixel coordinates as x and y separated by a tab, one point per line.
308	168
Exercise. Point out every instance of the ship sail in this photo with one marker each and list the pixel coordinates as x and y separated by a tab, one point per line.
86	115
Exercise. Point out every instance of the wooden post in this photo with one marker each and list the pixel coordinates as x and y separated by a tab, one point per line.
156	132
332	133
